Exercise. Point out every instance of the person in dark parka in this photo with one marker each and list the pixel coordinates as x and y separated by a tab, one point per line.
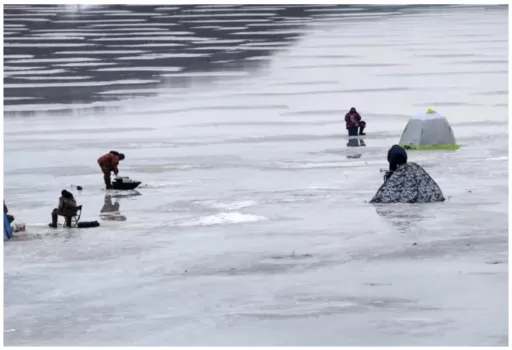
67	208
396	156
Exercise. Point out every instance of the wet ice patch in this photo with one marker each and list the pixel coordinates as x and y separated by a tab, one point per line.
207	27
132	25
34	72
162	55
17	56
230	28
20	98
150	45
135	14
46	37
236	205
326	165
272	32
224	21
71	35
333	9
103	52
20	68
14	26
55	60
223	15
216	48
103	21
135	69
209	74
222	219
167	8
258	58
274	24
47	45
78	84
25	19
46	78
130	30
152	38
282	43
221	41
85	64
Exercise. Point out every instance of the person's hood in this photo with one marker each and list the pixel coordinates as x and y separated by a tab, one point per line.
397	155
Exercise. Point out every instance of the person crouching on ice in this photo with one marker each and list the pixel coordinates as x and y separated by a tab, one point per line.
67	208
108	163
354	124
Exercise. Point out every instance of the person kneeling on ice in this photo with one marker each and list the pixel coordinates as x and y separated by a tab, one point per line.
67	208
406	182
108	163
354	124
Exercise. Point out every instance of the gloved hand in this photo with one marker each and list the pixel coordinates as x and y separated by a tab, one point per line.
387	175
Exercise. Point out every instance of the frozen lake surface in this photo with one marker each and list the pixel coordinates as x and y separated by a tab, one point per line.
252	226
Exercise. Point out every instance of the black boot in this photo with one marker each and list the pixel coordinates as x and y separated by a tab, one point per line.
54	221
108	185
362	125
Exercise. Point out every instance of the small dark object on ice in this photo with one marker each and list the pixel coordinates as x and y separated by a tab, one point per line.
294	256
88	224
79	188
494	262
415	244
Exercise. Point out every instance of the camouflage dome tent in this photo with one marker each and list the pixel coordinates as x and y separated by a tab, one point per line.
428	131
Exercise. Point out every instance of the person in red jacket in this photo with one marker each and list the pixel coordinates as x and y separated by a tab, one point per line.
354	124
108	163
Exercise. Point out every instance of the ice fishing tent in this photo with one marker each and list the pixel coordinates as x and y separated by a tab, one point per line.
410	183
428	130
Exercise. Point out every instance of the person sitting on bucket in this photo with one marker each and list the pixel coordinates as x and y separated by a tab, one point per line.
67	208
354	124
108	163
6	212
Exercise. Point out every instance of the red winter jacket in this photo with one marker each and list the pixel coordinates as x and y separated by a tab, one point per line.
110	162
352	119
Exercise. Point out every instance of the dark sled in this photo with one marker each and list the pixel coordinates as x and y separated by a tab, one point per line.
122	184
88	224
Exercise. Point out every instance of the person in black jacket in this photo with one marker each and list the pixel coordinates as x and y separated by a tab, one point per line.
396	156
67	208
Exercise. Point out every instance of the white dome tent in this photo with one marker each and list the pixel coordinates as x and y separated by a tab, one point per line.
426	131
